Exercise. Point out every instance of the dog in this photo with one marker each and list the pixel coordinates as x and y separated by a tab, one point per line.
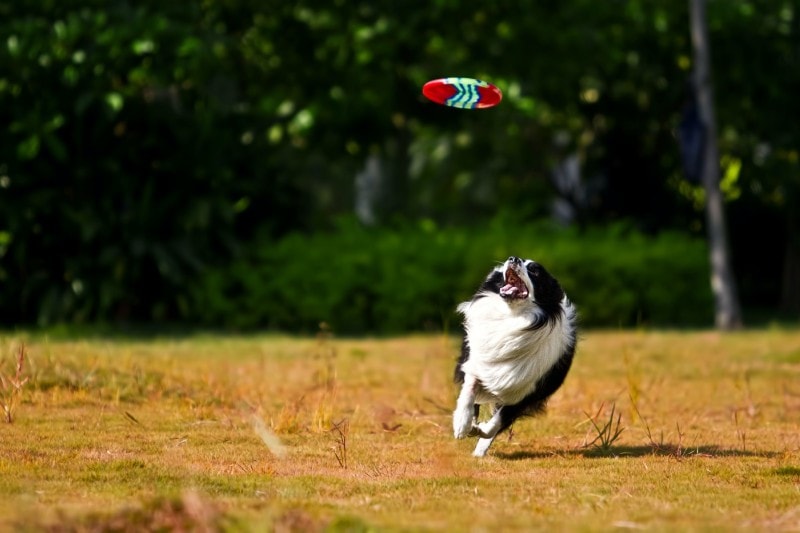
520	335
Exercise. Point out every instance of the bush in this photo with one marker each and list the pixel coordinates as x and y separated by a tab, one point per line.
390	281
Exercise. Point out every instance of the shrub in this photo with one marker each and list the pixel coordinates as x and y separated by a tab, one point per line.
362	280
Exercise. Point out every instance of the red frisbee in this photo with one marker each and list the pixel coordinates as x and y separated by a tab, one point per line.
463	93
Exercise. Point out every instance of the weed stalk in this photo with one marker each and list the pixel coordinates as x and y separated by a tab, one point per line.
340	430
11	386
608	433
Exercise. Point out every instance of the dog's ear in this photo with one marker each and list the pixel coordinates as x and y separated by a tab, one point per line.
546	290
493	282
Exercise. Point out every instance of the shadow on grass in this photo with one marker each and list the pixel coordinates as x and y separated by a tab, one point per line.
637	451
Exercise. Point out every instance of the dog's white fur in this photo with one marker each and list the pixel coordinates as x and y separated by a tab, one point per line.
500	347
507	357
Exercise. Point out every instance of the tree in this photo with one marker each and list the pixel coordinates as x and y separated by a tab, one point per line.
727	313
154	141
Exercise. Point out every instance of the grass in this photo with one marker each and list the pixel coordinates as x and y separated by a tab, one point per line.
11	385
272	433
608	433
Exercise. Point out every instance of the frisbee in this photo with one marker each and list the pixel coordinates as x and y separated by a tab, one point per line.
463	93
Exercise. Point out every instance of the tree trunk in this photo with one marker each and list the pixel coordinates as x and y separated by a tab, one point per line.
790	293
382	188
727	312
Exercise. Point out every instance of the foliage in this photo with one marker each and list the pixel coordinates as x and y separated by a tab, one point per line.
359	279
135	170
145	143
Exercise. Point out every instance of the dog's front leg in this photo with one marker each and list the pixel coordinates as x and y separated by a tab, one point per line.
487	431
482	447
464	415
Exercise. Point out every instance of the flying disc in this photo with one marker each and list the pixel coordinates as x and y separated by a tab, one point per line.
463	93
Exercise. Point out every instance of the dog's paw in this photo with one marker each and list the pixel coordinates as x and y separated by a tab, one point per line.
463	423
482	447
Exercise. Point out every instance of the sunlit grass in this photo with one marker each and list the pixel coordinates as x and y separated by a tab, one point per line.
242	432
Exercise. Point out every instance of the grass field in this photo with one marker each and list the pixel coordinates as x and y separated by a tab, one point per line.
655	430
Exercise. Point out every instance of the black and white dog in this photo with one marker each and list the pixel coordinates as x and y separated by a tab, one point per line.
520	337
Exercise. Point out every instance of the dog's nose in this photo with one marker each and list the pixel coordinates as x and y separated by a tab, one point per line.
513	259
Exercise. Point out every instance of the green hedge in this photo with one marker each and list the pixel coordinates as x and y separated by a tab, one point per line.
389	281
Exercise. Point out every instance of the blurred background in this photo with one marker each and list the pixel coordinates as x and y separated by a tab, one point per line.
271	165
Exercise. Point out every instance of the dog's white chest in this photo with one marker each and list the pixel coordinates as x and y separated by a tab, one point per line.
505	357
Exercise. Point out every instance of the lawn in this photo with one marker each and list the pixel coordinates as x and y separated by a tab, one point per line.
655	430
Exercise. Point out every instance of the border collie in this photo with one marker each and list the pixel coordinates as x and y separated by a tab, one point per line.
519	340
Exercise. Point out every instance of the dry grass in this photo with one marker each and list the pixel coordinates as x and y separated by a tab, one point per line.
11	385
255	433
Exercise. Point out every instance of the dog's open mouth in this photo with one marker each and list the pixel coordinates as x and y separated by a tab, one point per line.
514	287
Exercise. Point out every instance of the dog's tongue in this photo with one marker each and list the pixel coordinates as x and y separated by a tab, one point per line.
509	290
